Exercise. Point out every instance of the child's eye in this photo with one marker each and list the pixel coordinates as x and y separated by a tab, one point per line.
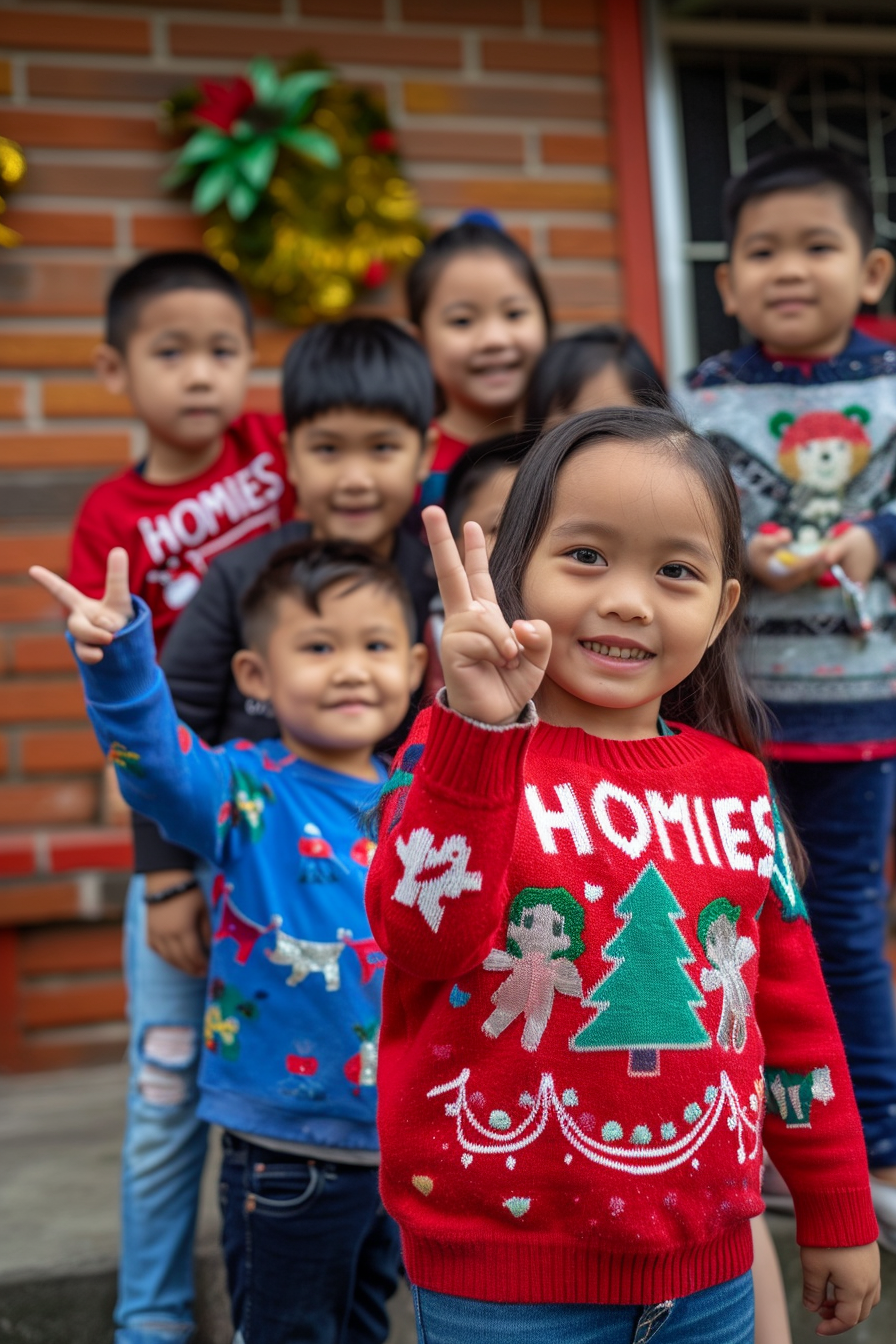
384	447
325	449
586	555
168	352
759	253
317	646
822	247
677	571
224	352
460	321
514	314
378	646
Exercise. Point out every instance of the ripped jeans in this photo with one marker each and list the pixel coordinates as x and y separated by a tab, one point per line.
720	1315
164	1144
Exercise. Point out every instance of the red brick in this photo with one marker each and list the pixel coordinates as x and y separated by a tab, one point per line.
586	244
515	194
43	228
76	32
64	450
589	149
5	79
66	751
549	58
51	287
366	48
37	902
166	231
502	12
100	847
17	856
12	401
271	346
41	653
265	398
101	82
18	551
232	6
123	181
420	143
49	699
572	13
25	602
38	804
48	349
73	1005
491	100
81	130
76	399
4	754
583	290
342	9
67	950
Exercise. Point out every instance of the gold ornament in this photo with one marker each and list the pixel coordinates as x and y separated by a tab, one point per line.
12	169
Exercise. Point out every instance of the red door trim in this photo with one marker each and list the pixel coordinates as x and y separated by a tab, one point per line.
631	158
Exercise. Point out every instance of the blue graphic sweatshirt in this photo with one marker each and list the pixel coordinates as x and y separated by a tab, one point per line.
293	1011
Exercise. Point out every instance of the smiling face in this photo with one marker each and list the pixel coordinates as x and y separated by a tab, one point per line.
340	680
483	330
798	273
356	473
185	369
627	575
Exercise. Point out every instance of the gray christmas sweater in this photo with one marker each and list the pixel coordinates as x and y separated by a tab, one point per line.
812	444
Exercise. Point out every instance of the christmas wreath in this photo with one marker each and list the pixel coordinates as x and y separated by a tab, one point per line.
298	178
12	170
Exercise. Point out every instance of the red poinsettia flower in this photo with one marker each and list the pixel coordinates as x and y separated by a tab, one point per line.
224	102
382	142
377	274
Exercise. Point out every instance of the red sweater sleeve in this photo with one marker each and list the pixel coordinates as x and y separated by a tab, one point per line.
436	892
805	1071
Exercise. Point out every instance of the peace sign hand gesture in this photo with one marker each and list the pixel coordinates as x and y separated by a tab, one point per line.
491	669
93	622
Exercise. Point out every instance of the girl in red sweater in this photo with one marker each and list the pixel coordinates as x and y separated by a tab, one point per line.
602	993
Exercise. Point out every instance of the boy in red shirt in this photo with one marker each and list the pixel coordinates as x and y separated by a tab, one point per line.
179	345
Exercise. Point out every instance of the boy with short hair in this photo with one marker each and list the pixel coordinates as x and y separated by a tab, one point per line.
292	1015
806	418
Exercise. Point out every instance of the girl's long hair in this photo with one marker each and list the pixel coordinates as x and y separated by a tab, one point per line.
715	697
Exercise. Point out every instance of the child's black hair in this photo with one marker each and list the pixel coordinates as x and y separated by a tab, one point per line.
564	367
799	169
163	273
305	570
479	463
469	236
363	363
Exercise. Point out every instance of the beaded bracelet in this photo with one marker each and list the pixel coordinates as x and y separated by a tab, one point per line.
168	893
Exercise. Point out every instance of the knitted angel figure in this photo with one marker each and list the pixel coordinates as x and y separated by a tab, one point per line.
717	931
544	938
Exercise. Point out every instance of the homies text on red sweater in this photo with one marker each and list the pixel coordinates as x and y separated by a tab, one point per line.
172	532
600	975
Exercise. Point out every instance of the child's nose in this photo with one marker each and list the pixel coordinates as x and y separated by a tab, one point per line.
625	598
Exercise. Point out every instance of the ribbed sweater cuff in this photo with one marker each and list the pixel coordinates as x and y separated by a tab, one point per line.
475	758
835	1217
127	670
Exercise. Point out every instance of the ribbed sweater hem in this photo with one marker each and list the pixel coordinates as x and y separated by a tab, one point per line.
529	1270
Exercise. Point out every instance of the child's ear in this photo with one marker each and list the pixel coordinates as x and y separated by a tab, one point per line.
110	368
428	452
251	674
730	598
878	272
419	657
725	288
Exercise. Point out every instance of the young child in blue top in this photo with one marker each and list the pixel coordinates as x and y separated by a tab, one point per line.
806	418
292	1016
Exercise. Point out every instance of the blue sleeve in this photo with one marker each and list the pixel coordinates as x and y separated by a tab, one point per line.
165	771
883	529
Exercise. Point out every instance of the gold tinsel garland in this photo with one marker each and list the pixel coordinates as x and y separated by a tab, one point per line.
12	169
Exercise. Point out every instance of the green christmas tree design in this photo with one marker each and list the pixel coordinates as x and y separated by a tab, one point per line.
647	1002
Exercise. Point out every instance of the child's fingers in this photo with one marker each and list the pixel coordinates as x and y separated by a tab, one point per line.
84	628
476	563
117	595
64	592
535	638
88	653
453	583
474	646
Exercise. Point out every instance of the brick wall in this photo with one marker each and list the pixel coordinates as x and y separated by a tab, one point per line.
499	104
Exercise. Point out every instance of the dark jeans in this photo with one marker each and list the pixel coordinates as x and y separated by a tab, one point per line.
311	1253
843	813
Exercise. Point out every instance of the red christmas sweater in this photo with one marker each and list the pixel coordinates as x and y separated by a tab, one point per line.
601	996
172	532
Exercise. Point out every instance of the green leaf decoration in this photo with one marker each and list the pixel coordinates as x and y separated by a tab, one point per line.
213	186
242	131
264	79
241	200
257	162
296	92
315	145
204	145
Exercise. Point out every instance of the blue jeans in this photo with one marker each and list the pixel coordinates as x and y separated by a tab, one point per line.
843	813
311	1253
164	1144
720	1315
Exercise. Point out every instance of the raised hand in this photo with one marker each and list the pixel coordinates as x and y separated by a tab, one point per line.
491	669
93	622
